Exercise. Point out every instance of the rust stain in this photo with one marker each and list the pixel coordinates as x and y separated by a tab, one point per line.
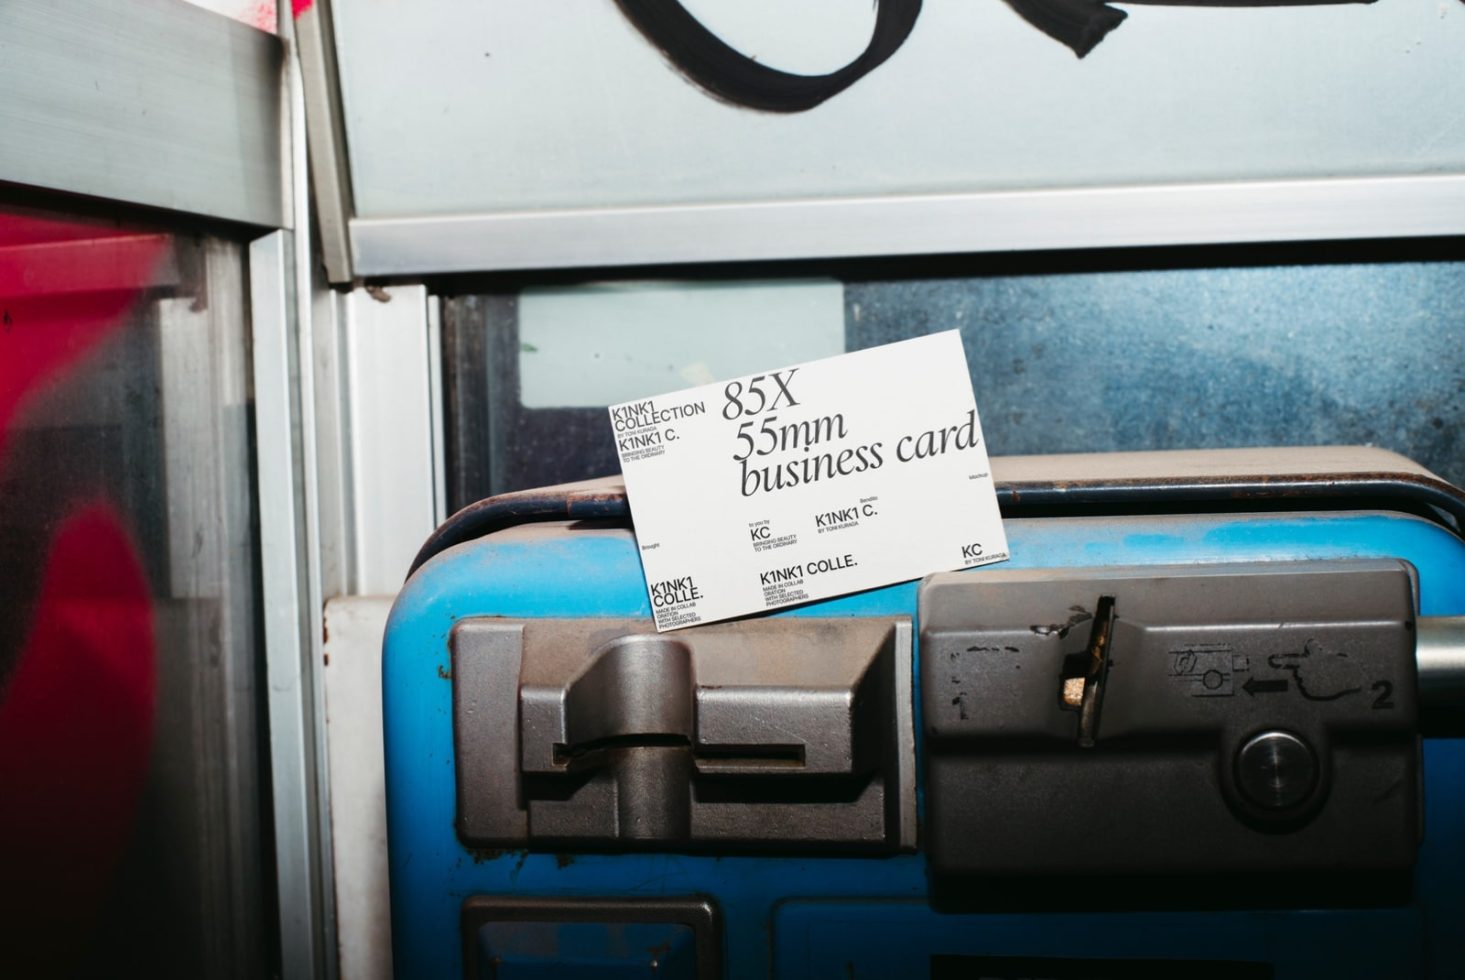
481	854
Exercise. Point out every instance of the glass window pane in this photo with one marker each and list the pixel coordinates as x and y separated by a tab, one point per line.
1102	351
128	639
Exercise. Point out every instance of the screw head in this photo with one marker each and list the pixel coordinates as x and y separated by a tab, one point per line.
1276	770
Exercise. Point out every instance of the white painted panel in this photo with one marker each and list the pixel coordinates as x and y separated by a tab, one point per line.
457	106
353	698
389	392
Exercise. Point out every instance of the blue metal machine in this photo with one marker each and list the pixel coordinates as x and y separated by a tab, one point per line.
869	787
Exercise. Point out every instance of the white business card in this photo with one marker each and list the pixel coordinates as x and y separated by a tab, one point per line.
809	481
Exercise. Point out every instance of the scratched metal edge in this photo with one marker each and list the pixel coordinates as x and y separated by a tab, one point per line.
605	499
1225	212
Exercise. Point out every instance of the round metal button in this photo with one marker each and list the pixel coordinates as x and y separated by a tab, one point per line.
1276	770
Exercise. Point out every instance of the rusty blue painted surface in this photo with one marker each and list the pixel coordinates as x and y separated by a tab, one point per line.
834	916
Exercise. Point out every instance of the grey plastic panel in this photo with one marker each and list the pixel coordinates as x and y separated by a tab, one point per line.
1241	717
480	713
603	734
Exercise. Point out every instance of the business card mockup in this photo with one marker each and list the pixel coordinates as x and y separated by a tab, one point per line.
809	481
